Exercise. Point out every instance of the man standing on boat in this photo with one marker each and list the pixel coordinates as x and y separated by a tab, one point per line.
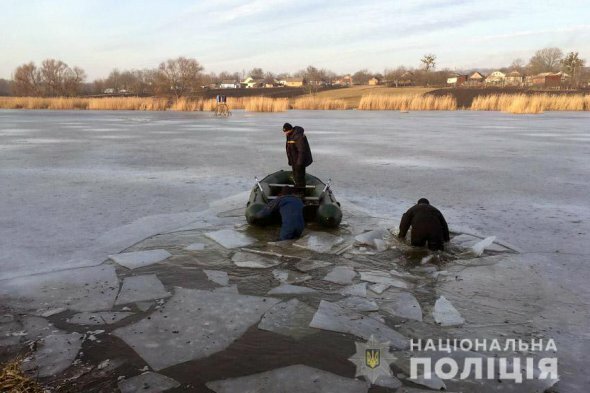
428	226
298	154
290	207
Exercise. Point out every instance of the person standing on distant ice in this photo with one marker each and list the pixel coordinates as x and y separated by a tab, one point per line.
298	154
428	226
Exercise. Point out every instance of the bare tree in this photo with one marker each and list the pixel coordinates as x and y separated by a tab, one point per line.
5	87
53	73
180	75
72	81
256	73
572	64
545	60
361	77
517	65
429	61
27	80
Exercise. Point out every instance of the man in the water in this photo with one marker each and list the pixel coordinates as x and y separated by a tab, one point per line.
290	207
428	226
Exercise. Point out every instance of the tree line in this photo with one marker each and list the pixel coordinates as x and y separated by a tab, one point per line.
181	76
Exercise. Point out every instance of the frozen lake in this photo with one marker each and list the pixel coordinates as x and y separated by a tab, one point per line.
76	187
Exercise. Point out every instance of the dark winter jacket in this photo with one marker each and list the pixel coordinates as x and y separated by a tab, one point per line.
427	223
298	152
291	209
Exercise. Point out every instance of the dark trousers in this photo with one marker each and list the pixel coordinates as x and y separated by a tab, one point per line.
299	176
433	243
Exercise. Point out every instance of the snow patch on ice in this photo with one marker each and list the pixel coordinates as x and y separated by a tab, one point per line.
133	260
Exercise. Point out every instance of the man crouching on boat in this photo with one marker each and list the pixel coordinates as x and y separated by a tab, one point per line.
290	208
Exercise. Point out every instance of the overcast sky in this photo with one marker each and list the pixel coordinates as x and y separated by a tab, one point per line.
287	35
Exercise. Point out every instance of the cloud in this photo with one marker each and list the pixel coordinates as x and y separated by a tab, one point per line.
529	33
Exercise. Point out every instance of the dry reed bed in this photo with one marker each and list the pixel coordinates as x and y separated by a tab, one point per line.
414	102
538	103
512	103
317	103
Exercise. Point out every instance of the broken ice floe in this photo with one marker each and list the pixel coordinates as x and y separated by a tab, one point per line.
309	265
358	304
85	289
403	305
290	277
98	318
217	276
195	247
135	259
355	290
230	238
341	275
479	247
379	277
144	306
331	316
388	381
375	238
468	242
290	318
54	354
445	314
430	381
193	324
254	261
139	288
319	242
291	379
287	289
147	383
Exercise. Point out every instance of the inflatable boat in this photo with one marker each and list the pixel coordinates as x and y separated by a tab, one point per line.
320	205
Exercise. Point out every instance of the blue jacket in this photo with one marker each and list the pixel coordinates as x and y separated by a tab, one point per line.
291	209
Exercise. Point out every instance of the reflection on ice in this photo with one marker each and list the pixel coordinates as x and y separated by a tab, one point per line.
445	314
331	316
139	288
291	379
230	238
321	242
147	383
253	261
341	275
133	260
291	318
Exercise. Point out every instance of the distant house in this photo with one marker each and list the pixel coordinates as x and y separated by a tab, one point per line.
496	78
229	84
546	80
109	91
374	81
250	83
293	82
344	81
456	80
514	78
274	83
476	79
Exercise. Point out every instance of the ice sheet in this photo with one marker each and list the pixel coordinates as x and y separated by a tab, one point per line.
402	305
193	324
147	383
195	247
290	277
217	276
290	318
380	277
133	260
355	290
230	238
321	242
341	275
98	318
374	238
291	379
84	289
358	304
309	265
330	316
139	288
254	261
287	289
445	314
479	247
55	353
